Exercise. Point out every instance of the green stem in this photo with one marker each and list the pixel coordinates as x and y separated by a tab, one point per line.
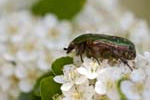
122	95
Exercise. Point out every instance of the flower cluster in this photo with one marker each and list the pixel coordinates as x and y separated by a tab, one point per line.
28	45
91	81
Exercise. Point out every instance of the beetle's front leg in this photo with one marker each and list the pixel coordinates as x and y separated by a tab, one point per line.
81	50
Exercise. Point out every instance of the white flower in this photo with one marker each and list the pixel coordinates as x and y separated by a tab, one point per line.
25	86
146	95
137	87
138	75
7	70
106	82
25	51
80	92
89	68
132	90
147	55
70	78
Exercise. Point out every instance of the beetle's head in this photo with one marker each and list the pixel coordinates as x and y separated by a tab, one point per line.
70	48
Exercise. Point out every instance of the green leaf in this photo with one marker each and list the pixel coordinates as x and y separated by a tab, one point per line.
122	96
36	88
49	88
28	96
58	64
63	9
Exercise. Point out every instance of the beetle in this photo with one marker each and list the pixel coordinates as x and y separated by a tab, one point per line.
100	46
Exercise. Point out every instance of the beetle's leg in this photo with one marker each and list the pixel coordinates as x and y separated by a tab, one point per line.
122	59
96	59
92	55
81	50
126	63
81	57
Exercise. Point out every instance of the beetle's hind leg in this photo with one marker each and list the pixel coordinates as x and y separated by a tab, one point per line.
126	63
98	61
122	59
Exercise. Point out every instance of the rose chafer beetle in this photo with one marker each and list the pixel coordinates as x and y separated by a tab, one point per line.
100	46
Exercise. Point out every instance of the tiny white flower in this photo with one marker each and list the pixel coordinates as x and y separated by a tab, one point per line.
138	75
79	92
147	55
70	78
132	90
100	88
106	81
25	86
146	95
89	68
20	72
7	70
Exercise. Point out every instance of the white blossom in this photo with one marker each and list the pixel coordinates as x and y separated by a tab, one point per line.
89	69
28	45
70	78
79	92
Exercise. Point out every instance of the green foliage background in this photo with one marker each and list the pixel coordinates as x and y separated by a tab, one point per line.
63	9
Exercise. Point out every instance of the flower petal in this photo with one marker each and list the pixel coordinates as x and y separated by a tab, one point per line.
138	75
59	79
92	75
100	88
82	71
66	86
127	88
80	80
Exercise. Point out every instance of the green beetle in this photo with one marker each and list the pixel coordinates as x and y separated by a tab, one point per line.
100	46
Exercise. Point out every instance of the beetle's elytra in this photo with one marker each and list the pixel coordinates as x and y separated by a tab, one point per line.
100	46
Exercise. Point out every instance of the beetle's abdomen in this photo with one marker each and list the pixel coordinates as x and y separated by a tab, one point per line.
107	51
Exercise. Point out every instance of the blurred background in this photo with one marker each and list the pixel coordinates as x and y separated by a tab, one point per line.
34	32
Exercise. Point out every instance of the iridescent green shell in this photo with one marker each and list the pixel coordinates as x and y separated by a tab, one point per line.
103	38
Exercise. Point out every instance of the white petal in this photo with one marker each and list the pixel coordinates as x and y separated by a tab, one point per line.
25	86
80	80
82	71
92	75
21	72
100	88
146	95
66	98
128	89
7	70
138	75
66	86
147	54
59	79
